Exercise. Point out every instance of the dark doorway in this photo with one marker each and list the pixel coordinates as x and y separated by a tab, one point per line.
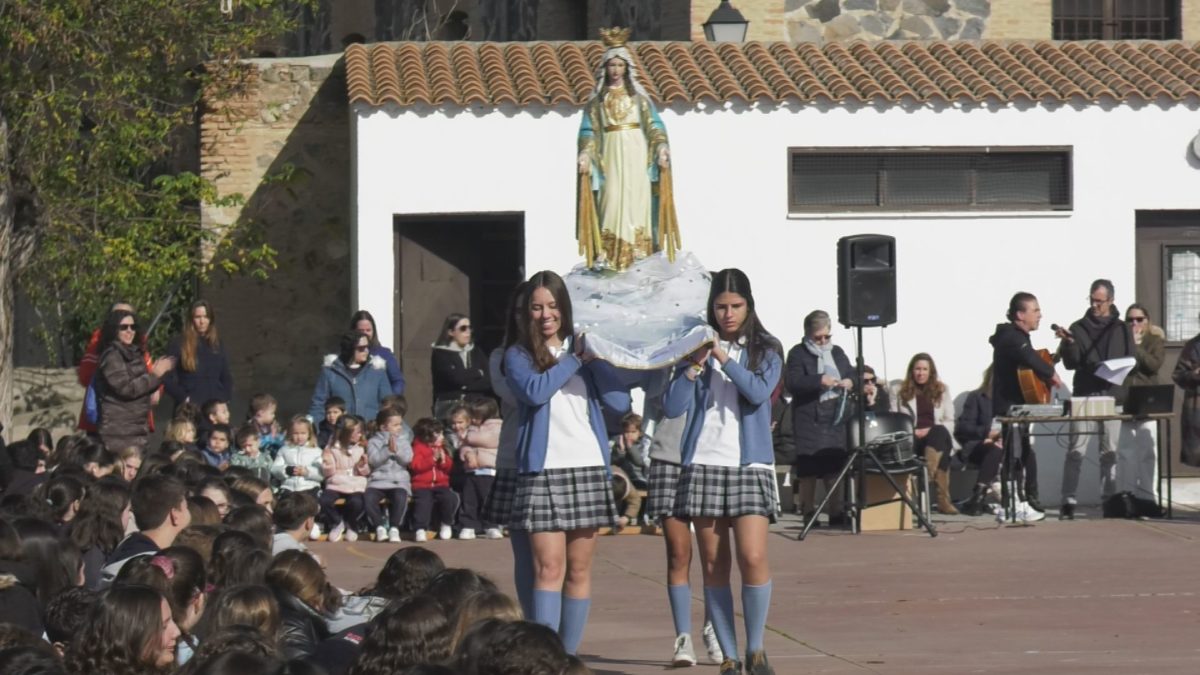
445	264
1168	284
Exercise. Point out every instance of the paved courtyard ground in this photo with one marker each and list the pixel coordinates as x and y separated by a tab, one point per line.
1092	596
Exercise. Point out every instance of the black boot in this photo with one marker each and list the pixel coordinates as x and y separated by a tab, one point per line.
976	505
1031	498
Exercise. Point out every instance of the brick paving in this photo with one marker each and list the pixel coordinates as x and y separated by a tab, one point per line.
1091	596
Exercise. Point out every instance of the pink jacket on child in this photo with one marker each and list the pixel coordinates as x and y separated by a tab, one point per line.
482	441
345	472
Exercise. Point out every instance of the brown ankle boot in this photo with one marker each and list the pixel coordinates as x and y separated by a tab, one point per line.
944	505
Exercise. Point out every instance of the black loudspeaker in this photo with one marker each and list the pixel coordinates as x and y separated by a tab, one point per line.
867	280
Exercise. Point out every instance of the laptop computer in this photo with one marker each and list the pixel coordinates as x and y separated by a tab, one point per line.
1150	399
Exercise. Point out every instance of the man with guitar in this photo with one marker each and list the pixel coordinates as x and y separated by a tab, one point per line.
1011	352
1099	336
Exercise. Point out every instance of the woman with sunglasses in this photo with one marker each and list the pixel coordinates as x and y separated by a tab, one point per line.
819	377
125	388
460	369
1150	346
359	379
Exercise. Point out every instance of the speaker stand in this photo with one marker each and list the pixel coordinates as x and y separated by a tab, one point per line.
858	458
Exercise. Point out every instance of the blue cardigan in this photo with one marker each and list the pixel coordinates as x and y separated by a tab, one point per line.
533	391
754	403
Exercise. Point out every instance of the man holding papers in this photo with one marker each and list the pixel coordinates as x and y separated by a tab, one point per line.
1093	348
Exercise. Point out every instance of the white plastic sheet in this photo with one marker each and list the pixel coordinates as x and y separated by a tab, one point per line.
647	317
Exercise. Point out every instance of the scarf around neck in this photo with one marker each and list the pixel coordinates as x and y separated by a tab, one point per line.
825	364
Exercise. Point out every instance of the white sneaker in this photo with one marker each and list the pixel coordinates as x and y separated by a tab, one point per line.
684	654
446	532
351	535
394	535
335	535
494	533
466	533
1028	514
381	534
315	533
712	644
420	536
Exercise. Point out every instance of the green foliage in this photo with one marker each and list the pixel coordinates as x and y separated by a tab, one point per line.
102	100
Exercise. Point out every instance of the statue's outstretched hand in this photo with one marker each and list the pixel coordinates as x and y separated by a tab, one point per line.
664	157
585	162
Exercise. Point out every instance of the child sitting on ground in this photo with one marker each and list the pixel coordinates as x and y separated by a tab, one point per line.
627	455
250	455
262	417
389	452
297	466
430	471
478	454
344	464
335	407
216	451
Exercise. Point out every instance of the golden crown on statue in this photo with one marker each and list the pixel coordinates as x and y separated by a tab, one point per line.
614	37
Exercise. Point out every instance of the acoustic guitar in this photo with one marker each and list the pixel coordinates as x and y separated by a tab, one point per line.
1033	388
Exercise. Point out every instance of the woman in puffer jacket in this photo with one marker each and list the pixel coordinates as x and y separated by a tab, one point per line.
125	388
359	379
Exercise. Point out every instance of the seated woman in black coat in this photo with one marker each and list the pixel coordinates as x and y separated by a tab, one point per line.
459	367
980	442
305	597
819	377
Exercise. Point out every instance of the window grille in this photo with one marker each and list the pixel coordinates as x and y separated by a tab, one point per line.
929	179
1116	19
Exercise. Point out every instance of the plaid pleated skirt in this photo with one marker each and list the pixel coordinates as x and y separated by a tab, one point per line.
664	479
707	491
498	508
561	500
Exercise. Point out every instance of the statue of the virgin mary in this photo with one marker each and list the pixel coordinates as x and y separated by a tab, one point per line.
626	208
651	312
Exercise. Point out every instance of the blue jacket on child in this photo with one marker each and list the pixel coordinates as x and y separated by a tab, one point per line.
533	391
754	402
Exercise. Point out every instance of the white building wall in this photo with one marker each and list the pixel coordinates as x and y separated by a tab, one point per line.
955	272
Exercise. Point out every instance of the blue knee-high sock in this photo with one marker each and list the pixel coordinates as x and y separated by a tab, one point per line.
547	608
720	603
574	618
522	570
756	600
681	607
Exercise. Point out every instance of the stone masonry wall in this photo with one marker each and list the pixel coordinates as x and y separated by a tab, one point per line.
837	20
292	113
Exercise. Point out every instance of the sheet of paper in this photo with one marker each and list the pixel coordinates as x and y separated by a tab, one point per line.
1115	370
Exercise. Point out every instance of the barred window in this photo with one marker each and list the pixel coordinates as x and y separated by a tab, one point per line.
1116	19
929	179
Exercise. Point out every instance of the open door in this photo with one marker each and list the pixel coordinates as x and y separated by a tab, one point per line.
1168	284
453	263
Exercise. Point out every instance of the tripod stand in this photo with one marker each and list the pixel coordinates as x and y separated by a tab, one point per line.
858	458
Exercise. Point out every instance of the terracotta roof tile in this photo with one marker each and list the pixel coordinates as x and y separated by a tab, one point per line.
553	73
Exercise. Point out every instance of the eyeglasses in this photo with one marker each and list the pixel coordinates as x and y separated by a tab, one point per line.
1135	319
821	339
1097	301
868	380
127	326
463	329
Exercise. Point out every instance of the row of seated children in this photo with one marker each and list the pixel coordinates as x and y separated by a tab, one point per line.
354	468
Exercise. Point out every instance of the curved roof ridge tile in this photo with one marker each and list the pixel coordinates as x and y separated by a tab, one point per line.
690	74
525	75
465	59
772	72
359	84
495	71
386	73
413	79
657	70
1062	86
575	69
747	76
554	82
715	69
799	73
441	74
1154	70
